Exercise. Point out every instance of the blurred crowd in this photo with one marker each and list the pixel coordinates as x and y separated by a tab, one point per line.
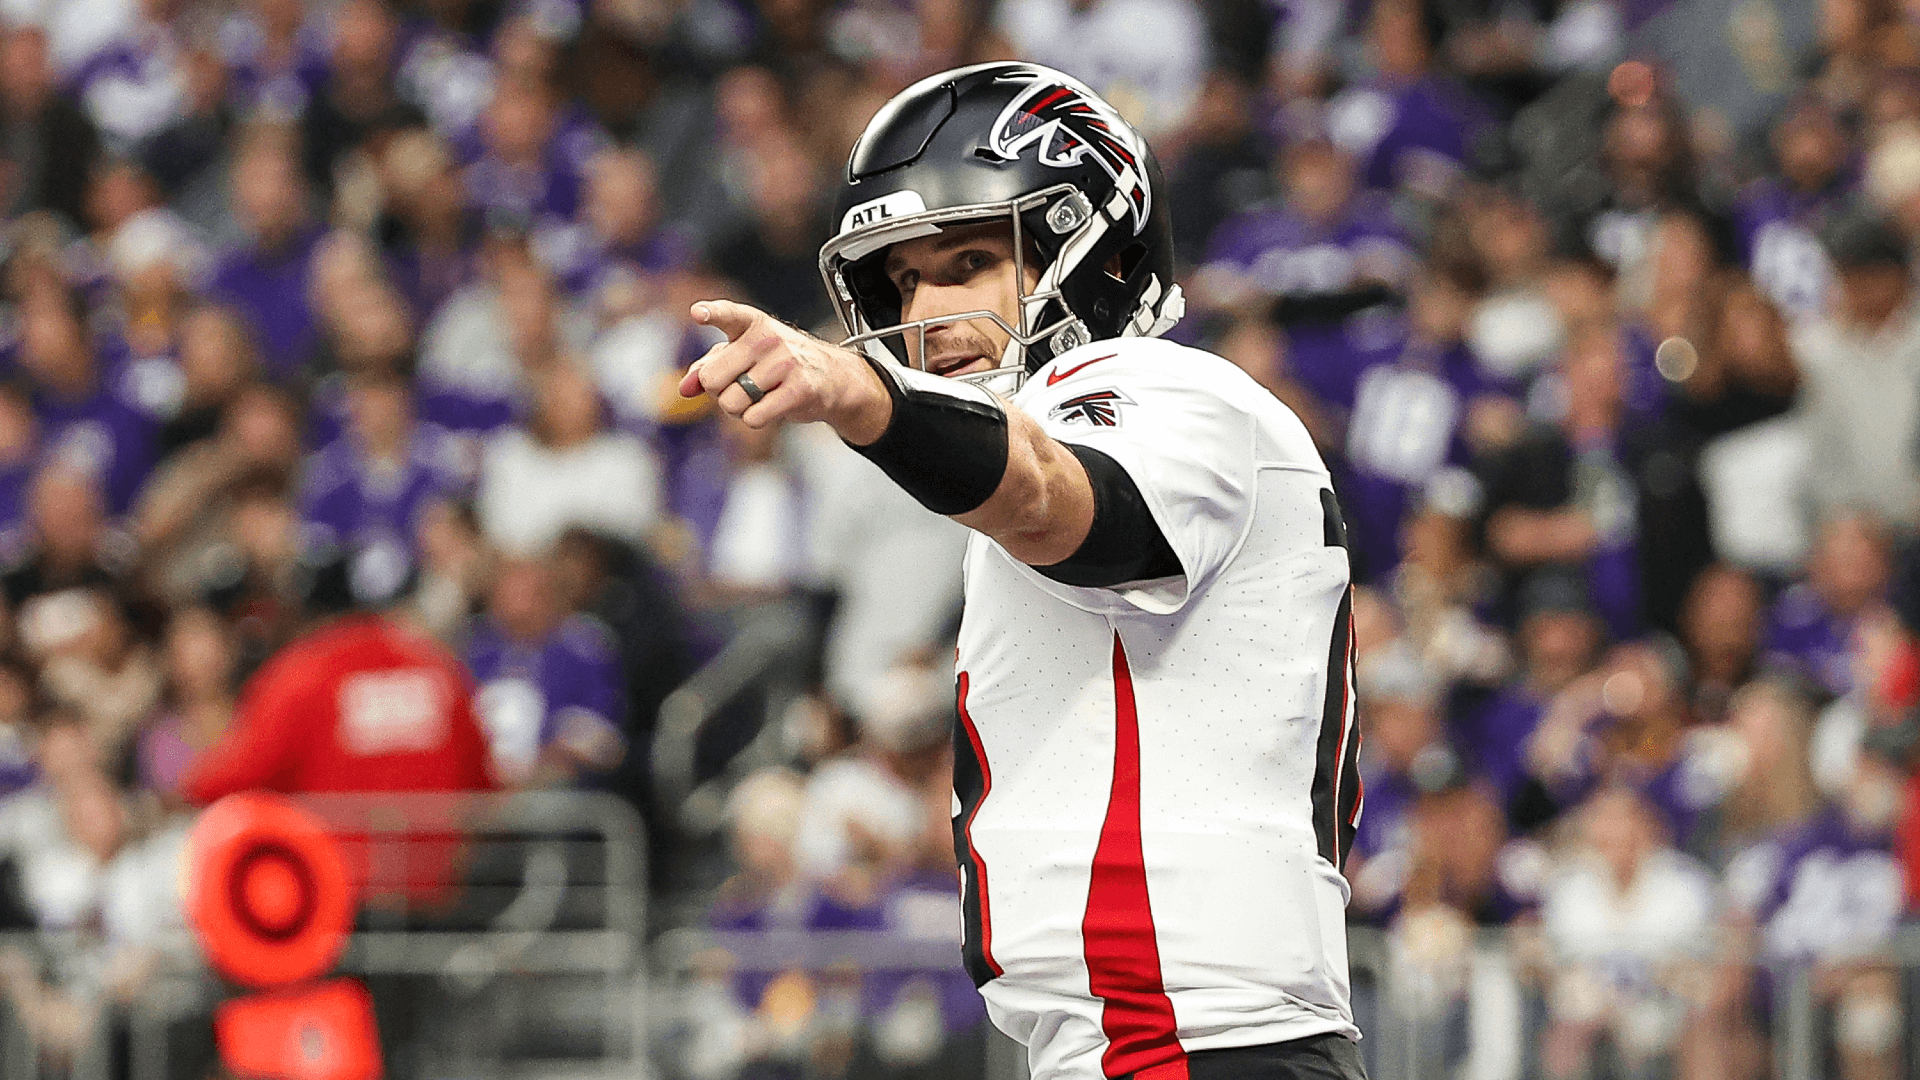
1602	311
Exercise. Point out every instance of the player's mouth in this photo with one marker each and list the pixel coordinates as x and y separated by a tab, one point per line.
964	364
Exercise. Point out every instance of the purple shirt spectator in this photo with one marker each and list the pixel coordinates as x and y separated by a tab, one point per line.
252	85
1494	741
585	264
100	433
565	688
1824	890
1407	424
1778	233
1807	637
16	538
1285	254
372	511
1416	135
136	86
271	288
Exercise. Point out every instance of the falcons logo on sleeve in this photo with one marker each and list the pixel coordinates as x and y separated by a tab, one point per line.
1098	409
1067	122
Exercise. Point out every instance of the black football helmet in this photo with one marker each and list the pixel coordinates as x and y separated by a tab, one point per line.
1038	148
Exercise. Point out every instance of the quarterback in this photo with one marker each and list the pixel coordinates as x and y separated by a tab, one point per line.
1155	779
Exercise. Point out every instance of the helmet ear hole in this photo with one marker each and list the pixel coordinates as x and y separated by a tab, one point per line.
1128	260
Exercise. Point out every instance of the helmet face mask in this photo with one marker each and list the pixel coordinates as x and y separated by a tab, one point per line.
1028	146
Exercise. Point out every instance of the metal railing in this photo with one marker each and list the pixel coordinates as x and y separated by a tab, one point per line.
1485	1022
520	918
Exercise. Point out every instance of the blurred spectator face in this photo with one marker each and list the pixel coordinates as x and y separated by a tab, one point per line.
68	513
374	331
527	302
1510	239
1398	39
524	600
1721	622
1439	307
1682	258
1851	562
1559	647
1582	293
262	428
785	187
1437	542
1811	147
67	753
1375	623
363	37
1592	370
266	530
94	816
199	655
1617	825
964	268
1772	725
268	191
25	73
18	427
1640	142
1876	796
1319	179
1870	295
214	355
118	191
523	53
751	107
381	411
1460	833
108	636
620	197
1753	338
279	18
519	122
765	811
53	346
1399	727
568	411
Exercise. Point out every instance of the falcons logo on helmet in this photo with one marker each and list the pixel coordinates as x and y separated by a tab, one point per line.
1067	121
1098	409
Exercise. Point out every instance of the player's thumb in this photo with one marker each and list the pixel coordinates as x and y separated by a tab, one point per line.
731	319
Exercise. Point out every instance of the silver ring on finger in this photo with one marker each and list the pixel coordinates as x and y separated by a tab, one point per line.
754	393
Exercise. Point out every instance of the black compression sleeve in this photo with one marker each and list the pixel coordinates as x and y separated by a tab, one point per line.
1125	543
946	444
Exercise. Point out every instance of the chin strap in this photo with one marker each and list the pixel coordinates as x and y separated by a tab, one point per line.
1155	316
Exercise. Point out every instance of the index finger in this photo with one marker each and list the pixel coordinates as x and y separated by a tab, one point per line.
731	319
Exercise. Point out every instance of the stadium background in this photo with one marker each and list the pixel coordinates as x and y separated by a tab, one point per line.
1600	310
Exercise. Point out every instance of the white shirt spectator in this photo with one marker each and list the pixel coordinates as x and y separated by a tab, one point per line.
531	493
1612	948
1147	57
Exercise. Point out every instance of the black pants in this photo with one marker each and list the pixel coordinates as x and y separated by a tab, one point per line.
1317	1057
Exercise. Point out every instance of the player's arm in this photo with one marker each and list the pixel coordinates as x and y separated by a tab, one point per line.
959	450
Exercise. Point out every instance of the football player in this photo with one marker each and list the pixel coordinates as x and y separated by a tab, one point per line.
1155	762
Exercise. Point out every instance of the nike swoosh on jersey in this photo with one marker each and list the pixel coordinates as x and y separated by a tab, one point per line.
1056	376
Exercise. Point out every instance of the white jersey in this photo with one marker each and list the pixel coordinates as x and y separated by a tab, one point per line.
1155	784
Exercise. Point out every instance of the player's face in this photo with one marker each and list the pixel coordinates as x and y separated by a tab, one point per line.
966	268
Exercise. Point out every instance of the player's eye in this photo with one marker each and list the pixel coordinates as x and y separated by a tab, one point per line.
975	261
905	281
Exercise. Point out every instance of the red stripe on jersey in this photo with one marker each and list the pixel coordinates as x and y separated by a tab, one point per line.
979	864
1123	950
